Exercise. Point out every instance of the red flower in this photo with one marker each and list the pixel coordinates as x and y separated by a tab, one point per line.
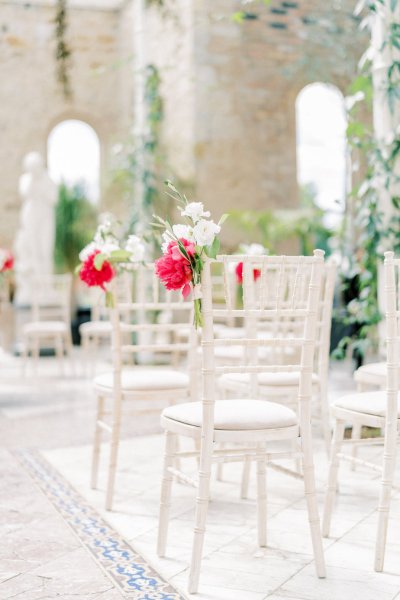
239	273
174	250
174	269
92	276
8	263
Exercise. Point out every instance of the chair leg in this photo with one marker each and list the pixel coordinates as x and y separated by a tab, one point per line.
202	500
325	417
112	467
311	499
355	435
337	439
244	488
166	488
97	443
261	498
60	353
36	354
220	466
388	467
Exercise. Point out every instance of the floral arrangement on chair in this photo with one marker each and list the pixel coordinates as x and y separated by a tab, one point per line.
184	246
106	254
6	260
250	250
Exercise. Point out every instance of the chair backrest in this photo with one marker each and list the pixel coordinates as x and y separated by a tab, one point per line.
149	324
324	322
392	313
123	291
286	293
51	298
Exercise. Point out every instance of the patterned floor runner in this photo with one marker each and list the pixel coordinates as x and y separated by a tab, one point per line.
128	570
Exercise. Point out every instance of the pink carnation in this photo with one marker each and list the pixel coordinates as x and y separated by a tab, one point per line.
8	263
174	250
174	269
239	273
92	276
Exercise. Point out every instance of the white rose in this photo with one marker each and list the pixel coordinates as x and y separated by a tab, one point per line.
205	231
253	249
183	231
195	211
108	247
166	236
135	247
84	253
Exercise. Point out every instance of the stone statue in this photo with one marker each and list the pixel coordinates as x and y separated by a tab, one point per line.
34	244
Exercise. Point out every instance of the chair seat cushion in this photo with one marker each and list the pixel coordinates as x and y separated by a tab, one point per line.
45	327
145	379
284	379
370	403
96	327
235	415
371	370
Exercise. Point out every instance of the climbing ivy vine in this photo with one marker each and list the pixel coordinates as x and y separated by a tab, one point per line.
147	149
379	158
63	52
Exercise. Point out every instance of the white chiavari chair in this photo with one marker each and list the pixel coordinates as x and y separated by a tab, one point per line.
283	386
369	376
247	426
50	323
98	330
137	331
375	409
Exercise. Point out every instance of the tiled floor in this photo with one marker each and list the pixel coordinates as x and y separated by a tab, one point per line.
41	559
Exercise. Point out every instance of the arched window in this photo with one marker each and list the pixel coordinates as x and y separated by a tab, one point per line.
321	146
73	156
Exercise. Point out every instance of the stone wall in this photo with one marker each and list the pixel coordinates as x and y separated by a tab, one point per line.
229	90
31	102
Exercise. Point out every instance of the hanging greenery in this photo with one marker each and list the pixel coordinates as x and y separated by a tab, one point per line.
63	52
373	235
148	148
75	225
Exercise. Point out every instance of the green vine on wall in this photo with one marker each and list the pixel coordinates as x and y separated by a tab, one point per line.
63	52
380	158
148	147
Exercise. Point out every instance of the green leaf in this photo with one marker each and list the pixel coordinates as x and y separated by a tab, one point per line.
99	260
120	256
223	219
212	251
238	17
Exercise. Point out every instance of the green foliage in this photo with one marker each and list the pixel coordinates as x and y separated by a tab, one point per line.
75	226
362	310
271	228
63	51
142	157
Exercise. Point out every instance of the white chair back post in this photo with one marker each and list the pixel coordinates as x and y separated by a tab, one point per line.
392	301
324	326
291	295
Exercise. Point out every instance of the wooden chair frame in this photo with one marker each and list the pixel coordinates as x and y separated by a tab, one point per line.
388	422
147	298
209	436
